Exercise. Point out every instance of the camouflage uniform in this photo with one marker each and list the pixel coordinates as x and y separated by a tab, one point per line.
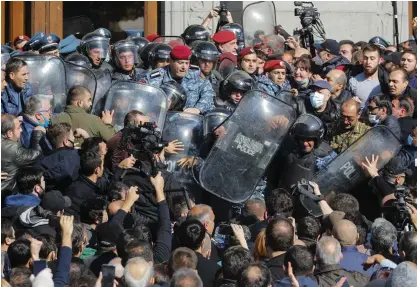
200	93
343	139
265	84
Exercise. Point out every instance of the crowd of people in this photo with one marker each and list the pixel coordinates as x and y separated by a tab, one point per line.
88	201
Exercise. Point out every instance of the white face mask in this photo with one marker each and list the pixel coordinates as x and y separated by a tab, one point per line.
373	119
317	100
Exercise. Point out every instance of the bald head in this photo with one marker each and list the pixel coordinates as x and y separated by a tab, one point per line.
337	80
298	52
204	214
351	106
114	207
138	272
328	251
346	232
349	114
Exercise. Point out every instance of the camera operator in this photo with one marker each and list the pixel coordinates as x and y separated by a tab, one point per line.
214	13
393	174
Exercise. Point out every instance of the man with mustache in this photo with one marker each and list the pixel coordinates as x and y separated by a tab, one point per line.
199	91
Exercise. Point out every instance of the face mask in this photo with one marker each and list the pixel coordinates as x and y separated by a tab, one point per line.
317	100
318	61
373	119
302	82
46	122
410	140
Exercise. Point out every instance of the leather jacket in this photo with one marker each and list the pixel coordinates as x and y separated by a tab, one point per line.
14	156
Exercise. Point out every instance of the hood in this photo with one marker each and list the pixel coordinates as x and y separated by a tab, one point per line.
30	218
22	199
303	282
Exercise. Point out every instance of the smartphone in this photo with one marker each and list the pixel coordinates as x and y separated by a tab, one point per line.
54	221
109	273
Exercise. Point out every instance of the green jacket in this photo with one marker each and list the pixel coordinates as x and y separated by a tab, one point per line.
78	118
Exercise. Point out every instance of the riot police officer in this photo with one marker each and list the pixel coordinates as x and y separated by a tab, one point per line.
232	90
33	44
159	56
176	95
125	57
49	44
248	61
195	32
144	56
140	43
299	154
199	92
95	46
237	29
226	42
104	32
206	55
79	60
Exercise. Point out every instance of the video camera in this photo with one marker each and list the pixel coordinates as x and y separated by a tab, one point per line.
147	141
306	202
401	218
223	16
306	12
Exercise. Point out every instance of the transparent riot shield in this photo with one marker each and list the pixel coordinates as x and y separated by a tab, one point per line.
77	75
345	172
250	138
225	67
188	129
258	17
47	77
4	59
170	40
124	96
103	79
212	120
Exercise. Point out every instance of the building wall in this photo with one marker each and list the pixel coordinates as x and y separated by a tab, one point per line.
359	20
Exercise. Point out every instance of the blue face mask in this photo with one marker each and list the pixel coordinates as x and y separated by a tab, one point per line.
410	140
302	82
46	122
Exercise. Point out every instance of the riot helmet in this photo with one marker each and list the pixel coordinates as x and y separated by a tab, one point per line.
125	55
5	55
79	60
33	43
195	32
140	42
237	29
238	81
206	50
160	53
144	55
104	32
176	95
95	46
308	127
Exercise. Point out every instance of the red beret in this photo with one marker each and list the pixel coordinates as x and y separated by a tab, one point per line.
180	53
246	51
224	36
274	64
22	38
151	37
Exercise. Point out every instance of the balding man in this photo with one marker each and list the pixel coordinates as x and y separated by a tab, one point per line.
345	231
349	128
298	52
328	257
138	272
255	275
257	208
77	115
186	277
338	80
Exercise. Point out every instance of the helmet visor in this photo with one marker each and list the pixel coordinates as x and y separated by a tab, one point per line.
98	48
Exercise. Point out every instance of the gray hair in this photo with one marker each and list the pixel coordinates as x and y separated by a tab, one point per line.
7	124
185	277
328	251
203	217
34	104
133	264
383	235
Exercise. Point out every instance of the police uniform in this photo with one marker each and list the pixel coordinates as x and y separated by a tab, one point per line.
103	67
137	74
200	93
214	78
343	139
265	84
